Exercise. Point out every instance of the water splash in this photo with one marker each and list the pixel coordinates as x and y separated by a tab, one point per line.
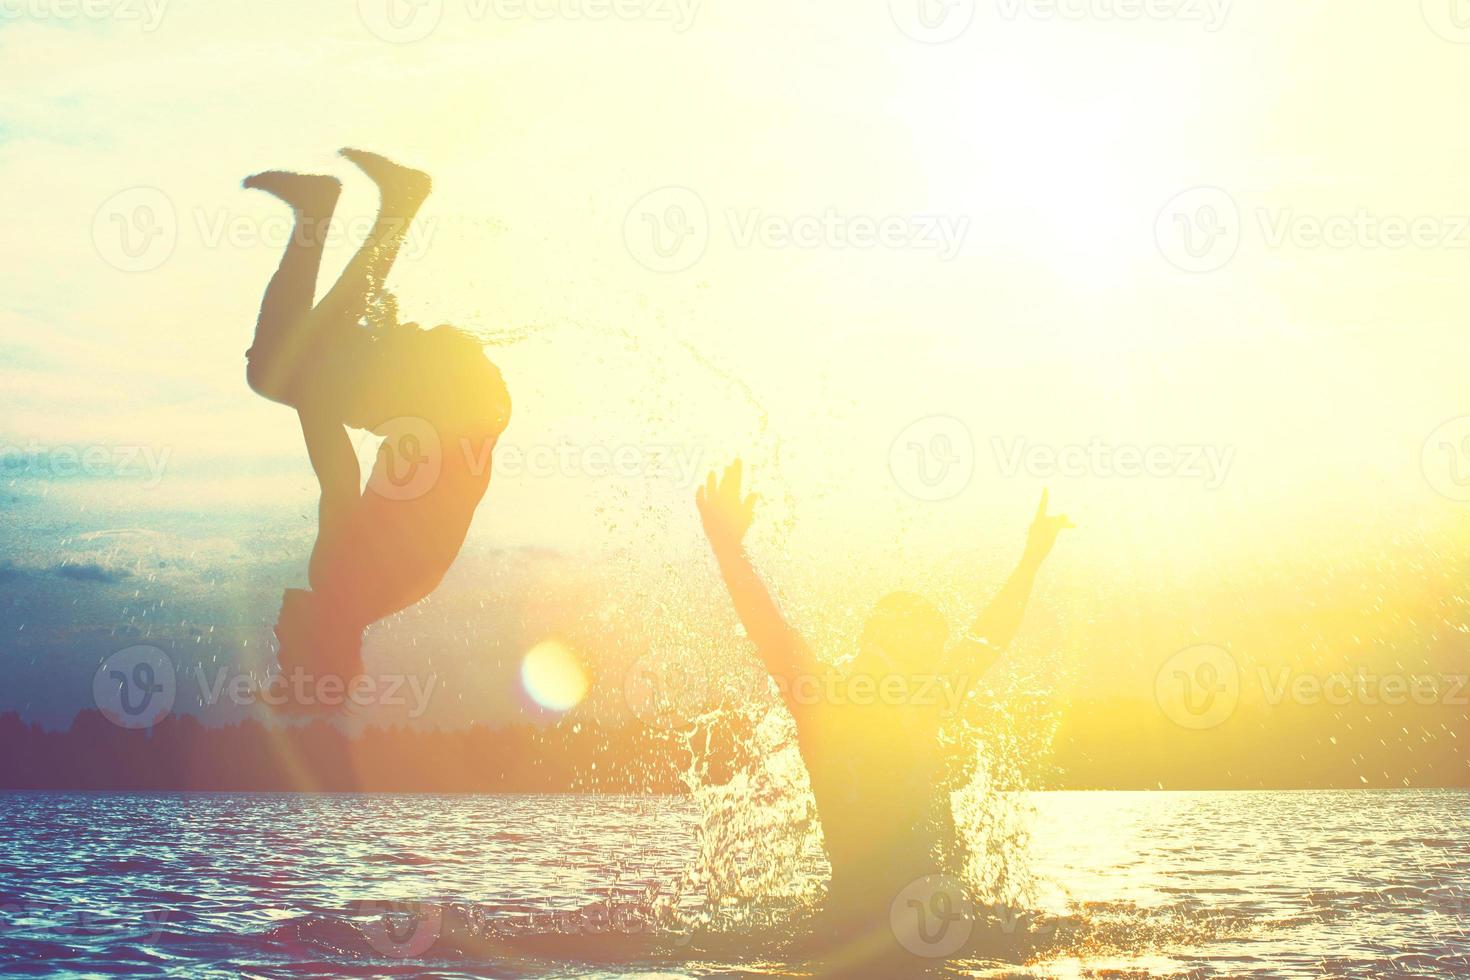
760	865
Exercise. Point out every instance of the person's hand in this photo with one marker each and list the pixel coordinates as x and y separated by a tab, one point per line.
1044	530
726	514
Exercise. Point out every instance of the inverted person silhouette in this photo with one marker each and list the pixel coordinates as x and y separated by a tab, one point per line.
869	731
346	361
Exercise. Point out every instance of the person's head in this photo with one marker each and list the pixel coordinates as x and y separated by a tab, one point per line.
312	638
905	633
453	383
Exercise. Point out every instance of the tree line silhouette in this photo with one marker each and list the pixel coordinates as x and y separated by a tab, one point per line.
180	753
1097	745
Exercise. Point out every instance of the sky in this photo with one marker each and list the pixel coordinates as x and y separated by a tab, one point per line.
1198	267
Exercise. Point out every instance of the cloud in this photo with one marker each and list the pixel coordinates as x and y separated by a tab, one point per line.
89	572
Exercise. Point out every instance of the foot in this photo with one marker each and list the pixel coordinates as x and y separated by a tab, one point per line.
307	193
404	185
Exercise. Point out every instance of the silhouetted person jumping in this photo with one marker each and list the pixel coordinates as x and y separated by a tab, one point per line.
345	361
869	731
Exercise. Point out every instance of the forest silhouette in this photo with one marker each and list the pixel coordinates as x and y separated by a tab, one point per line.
1097	745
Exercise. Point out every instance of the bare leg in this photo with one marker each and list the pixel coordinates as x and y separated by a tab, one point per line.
284	341
318	360
277	353
402	192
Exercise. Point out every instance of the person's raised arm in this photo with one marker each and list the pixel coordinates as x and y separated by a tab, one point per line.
335	463
994	629
726	516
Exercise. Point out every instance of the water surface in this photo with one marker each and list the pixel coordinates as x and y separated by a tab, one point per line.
1139	884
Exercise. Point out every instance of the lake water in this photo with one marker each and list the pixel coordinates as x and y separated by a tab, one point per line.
1126	884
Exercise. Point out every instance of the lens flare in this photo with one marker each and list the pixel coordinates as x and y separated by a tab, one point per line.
553	677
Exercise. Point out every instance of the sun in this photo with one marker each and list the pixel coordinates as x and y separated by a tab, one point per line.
553	676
